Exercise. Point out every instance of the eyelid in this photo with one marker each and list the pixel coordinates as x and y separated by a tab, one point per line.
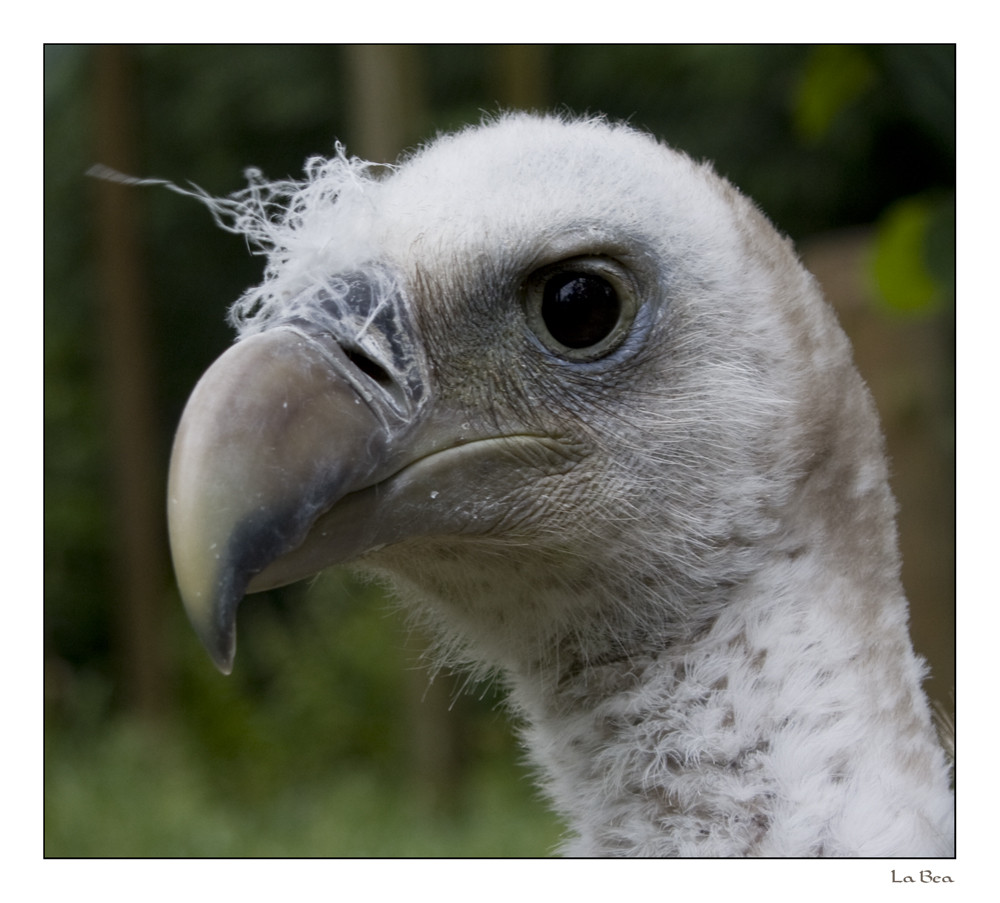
626	288
582	241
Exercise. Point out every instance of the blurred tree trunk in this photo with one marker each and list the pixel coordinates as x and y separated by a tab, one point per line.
126	352
387	99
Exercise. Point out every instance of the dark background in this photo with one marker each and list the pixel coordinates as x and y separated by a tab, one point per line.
329	739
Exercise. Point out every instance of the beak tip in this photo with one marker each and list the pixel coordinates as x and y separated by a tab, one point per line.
221	648
225	666
216	628
223	652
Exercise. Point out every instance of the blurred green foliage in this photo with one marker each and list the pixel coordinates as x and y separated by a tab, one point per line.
127	792
834	77
914	257
821	137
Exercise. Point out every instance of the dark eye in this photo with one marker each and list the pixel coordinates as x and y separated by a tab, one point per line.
581	309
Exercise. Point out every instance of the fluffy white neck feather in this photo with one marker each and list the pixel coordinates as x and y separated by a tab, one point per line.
783	730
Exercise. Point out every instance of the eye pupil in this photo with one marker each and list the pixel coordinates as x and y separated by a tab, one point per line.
579	309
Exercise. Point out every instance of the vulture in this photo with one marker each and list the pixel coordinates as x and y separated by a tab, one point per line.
577	401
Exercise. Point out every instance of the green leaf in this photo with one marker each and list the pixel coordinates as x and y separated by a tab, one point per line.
835	75
905	283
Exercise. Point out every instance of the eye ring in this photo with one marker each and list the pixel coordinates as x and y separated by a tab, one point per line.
581	309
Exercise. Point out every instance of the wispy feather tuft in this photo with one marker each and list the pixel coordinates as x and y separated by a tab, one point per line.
304	227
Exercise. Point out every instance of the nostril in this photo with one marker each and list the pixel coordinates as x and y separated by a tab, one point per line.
367	366
383	384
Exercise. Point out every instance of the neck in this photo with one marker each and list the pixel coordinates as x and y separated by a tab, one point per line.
791	726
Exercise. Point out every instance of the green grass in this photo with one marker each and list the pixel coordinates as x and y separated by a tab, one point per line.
126	792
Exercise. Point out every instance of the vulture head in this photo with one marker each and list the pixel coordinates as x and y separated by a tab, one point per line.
573	396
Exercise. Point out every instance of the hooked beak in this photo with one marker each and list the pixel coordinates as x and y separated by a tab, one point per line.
269	440
294	454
